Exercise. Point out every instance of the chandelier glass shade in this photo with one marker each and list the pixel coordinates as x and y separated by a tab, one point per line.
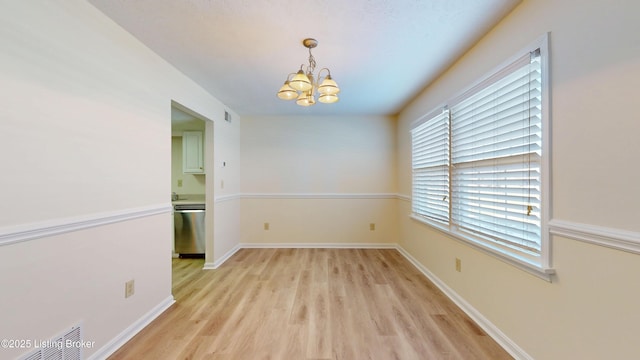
303	85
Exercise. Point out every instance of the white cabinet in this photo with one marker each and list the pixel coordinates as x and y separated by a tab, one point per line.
192	154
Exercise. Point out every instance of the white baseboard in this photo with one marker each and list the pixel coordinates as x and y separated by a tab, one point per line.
493	331
117	342
319	246
216	263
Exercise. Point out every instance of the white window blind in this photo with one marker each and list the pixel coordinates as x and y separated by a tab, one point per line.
430	164
496	149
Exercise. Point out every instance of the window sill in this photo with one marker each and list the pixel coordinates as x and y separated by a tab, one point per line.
523	263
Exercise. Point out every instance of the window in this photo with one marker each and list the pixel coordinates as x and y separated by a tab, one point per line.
478	164
430	163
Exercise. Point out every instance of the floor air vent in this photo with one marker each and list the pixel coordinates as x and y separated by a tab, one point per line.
67	346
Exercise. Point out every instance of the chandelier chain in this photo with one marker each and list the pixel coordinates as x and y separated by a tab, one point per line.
312	63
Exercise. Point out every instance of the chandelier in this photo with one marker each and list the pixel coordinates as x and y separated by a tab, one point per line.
303	86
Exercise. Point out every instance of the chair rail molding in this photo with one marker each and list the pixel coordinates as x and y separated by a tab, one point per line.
36	230
319	196
618	239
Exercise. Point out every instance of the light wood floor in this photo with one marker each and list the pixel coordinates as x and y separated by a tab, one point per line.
309	304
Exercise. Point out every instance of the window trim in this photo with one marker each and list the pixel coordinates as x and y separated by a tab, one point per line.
535	264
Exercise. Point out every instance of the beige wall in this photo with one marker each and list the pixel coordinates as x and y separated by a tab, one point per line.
86	136
318	180
316	154
590	309
332	221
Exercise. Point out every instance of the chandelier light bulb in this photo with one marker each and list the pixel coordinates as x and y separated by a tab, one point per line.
287	92
328	86
328	98
305	99
301	82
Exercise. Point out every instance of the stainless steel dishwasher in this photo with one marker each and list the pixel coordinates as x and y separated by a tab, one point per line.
189	228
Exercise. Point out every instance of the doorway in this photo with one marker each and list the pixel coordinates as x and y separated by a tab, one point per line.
192	174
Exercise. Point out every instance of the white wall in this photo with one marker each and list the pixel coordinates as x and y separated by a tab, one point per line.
225	186
590	309
85	135
318	179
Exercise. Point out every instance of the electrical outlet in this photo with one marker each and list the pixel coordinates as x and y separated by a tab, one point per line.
266	226
129	288
179	182
372	226
458	265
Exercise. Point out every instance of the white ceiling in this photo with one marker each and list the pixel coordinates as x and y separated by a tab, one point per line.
380	52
